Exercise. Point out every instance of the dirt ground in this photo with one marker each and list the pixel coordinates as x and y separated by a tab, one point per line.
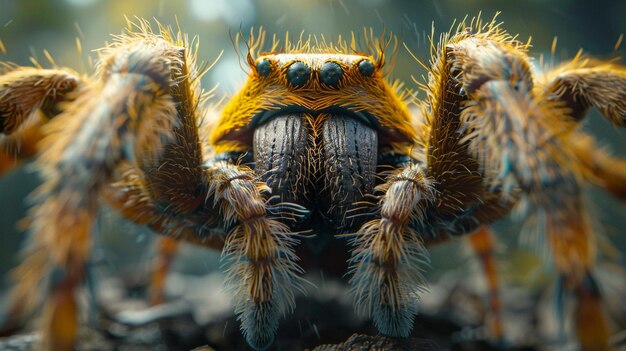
199	316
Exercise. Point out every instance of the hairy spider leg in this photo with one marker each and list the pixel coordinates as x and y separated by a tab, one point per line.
165	252
261	265
28	98
130	109
23	92
174	179
389	257
483	244
17	148
130	198
257	250
523	142
439	195
578	85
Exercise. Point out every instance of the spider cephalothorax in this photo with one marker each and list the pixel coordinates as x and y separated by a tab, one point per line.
316	140
310	123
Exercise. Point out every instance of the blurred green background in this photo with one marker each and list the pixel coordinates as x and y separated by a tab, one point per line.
27	27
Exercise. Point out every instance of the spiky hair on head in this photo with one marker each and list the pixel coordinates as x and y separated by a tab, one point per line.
366	43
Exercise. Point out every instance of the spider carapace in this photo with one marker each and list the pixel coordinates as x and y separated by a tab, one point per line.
318	159
317	127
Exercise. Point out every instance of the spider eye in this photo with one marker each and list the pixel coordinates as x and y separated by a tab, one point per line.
366	67
331	73
298	74
264	67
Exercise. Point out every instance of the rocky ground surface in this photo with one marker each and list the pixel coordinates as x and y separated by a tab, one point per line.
198	316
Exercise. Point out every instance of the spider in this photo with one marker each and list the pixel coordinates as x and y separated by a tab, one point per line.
317	141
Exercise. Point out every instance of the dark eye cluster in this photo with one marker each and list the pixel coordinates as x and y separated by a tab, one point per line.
298	73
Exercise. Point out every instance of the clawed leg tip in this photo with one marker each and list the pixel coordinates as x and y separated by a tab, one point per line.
259	323
260	342
394	323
